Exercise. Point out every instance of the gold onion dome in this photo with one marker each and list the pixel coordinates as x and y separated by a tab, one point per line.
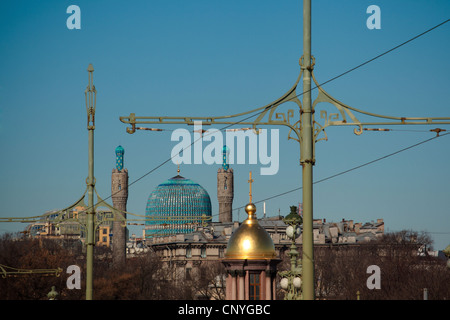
250	240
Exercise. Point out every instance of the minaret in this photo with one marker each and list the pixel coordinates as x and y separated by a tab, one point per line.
119	192
225	189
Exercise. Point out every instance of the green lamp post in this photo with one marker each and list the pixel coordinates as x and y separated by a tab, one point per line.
291	280
52	294
90	94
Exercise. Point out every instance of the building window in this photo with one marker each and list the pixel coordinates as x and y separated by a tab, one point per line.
255	287
188	252
203	252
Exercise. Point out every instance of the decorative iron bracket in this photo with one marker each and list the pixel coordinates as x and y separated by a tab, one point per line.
268	115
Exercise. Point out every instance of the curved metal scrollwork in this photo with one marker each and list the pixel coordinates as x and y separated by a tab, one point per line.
346	115
270	115
266	115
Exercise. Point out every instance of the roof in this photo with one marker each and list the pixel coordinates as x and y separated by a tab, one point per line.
177	206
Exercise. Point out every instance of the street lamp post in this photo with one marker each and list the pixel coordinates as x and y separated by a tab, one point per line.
52	294
307	158
292	279
90	94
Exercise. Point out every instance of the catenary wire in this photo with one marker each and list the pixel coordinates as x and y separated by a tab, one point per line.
349	170
302	93
328	81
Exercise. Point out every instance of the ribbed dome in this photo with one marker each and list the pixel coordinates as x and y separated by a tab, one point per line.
250	240
178	204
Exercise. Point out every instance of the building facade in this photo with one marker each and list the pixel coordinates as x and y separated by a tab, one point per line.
179	229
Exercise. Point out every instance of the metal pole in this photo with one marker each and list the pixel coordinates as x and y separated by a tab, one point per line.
307	159
90	237
425	293
90	240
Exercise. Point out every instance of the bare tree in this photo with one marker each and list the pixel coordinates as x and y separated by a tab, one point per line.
32	254
405	269
208	282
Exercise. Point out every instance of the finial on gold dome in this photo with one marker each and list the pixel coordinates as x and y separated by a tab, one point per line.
250	208
250	180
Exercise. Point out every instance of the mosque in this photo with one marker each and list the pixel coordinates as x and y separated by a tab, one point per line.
180	230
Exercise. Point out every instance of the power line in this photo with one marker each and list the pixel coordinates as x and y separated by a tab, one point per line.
271	106
319	181
386	52
328	81
352	169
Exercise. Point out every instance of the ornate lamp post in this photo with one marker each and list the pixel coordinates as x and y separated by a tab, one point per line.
292	280
91	100
52	294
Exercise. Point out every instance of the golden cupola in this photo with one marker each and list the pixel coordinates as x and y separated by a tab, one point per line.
250	240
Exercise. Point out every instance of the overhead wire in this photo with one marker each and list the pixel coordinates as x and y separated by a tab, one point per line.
351	169
302	93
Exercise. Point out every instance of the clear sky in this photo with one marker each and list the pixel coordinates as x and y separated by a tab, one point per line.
211	58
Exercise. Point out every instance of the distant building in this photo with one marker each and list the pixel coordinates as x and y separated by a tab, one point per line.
179	227
209	243
68	225
188	252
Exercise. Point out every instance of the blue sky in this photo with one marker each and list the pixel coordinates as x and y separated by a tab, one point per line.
211	58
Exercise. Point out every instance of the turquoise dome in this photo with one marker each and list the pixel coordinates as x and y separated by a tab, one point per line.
179	198
225	154
120	151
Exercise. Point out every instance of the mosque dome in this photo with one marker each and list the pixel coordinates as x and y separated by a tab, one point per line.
250	240
177	206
